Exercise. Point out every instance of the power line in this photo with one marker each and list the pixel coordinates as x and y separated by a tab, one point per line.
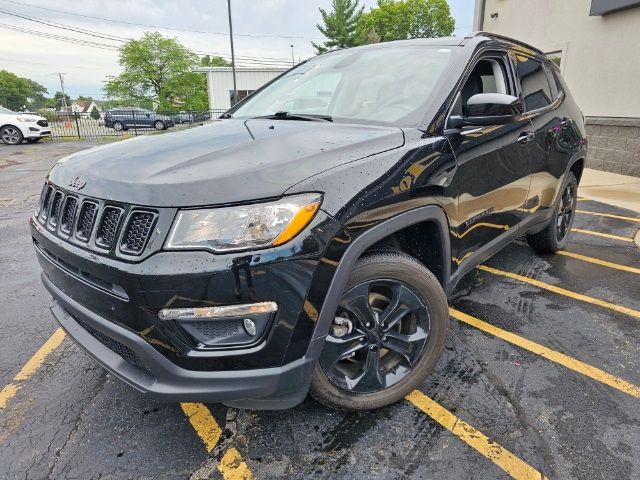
267	61
247	62
251	35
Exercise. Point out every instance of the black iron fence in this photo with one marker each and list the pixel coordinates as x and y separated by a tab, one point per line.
122	122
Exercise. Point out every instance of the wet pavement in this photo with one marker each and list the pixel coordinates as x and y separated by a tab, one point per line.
554	387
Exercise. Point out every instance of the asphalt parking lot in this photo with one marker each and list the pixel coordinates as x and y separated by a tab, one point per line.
540	377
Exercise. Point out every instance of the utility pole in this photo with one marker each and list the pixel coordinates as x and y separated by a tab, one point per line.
293	60
64	97
233	56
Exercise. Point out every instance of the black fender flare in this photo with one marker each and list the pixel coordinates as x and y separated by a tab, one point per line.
367	239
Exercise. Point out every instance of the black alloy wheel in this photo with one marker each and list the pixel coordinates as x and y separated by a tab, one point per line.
566	211
386	336
556	234
383	329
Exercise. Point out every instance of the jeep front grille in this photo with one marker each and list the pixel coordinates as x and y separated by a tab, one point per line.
115	230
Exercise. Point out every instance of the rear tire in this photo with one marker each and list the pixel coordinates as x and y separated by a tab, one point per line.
554	236
414	294
118	126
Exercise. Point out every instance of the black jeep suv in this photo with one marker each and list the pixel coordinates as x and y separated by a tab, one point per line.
273	252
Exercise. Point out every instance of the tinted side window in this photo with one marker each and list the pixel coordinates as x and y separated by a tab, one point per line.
534	83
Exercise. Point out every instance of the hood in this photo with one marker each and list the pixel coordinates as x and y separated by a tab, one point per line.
222	162
30	117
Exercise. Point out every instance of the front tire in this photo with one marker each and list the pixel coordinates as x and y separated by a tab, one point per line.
11	135
159	125
554	236
387	336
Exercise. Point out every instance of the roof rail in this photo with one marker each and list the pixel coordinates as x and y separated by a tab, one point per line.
503	37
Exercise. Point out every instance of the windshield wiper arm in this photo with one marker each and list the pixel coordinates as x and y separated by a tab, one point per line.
296	116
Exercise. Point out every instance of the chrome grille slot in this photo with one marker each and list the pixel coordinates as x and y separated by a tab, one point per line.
137	232
108	228
68	215
46	203
86	220
56	207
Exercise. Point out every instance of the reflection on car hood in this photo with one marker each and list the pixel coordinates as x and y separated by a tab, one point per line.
222	162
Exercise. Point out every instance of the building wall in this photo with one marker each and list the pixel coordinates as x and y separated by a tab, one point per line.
600	62
220	81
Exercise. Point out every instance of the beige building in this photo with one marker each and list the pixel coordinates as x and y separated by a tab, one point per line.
597	45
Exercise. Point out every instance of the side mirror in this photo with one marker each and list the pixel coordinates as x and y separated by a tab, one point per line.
487	109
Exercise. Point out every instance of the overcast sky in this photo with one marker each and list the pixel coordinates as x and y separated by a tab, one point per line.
259	28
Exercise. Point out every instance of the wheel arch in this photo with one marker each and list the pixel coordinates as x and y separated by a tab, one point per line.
432	214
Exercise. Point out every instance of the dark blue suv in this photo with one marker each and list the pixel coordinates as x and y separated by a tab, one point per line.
124	118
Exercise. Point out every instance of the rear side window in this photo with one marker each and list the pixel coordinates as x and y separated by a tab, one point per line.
534	83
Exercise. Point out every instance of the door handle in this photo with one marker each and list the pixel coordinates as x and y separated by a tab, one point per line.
526	137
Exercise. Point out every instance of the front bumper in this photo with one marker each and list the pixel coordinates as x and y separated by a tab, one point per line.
110	308
138	364
33	130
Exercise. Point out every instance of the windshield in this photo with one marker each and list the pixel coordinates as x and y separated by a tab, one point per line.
389	85
7	111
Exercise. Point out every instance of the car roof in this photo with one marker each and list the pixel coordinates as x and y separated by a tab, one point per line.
472	40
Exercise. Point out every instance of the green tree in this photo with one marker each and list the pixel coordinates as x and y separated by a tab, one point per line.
18	92
214	61
339	25
95	114
57	101
157	70
404	19
82	98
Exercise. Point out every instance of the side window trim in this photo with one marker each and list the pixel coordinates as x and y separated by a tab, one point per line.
555	92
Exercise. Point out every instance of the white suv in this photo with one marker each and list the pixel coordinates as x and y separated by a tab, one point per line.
16	127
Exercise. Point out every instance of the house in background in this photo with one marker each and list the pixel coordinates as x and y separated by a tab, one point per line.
597	46
85	107
220	83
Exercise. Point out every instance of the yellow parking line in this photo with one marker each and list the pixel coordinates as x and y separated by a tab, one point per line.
29	368
231	466
597	261
557	357
499	455
609	215
601	234
562	291
203	423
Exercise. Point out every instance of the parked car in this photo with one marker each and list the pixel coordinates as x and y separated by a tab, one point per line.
191	117
125	118
16	127
272	252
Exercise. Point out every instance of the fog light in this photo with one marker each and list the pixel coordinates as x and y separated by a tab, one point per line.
249	326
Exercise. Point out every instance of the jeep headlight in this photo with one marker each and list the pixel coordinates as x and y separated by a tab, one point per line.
27	119
241	227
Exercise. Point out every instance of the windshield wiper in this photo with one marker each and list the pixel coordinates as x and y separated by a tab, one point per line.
296	116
